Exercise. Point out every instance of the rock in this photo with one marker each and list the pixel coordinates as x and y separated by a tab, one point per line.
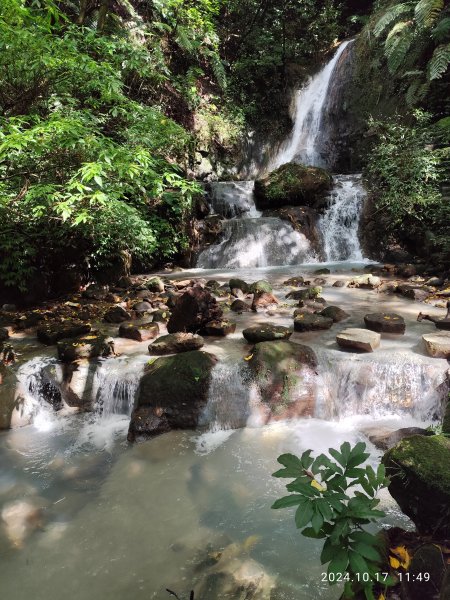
9	307
194	309
266	332
140	333
335	313
413	292
435	282
20	518
319	281
295	281
293	184
50	333
8	385
239	306
358	339
437	344
117	314
95	291
161	315
419	469
387	439
368	282
323	271
144	295
125	282
4	334
142	308
155	284
303	219
339	283
429	559
239	284
172	394
74	383
308	294
219	328
385	323
284	373
263	299
176	342
87	346
260	287
311	322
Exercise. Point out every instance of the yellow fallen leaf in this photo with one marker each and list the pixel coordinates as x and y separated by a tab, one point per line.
394	562
402	555
316	484
247	358
381	597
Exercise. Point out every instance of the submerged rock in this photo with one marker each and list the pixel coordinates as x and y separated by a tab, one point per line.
50	333
193	310
294	184
266	332
385	323
387	439
358	339
419	468
284	373
310	293
139	333
263	300
172	394
87	346
176	342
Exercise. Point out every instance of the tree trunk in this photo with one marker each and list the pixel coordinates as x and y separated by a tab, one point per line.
102	14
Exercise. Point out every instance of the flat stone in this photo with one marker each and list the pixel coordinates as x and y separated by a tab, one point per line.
311	322
368	282
437	344
53	332
413	292
266	333
385	323
139	333
117	314
385	439
87	346
358	339
219	328
176	342
335	313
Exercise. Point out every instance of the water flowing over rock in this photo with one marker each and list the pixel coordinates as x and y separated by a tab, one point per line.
308	135
257	243
232	199
340	223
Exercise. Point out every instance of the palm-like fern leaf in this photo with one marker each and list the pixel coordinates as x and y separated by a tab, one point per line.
390	16
439	62
427	12
397	45
441	33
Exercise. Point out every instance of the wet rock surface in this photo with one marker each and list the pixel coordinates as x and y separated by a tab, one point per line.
360	340
385	323
176	342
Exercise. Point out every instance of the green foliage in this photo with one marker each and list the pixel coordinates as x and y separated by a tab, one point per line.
328	509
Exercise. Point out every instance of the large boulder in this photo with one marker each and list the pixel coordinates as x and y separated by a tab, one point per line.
303	219
266	332
176	342
284	373
385	323
361	340
437	344
88	346
311	322
193	310
172	394
117	314
335	313
220	328
293	184
50	333
385	439
419	469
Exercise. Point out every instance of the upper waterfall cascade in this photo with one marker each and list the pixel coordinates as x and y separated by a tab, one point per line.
249	239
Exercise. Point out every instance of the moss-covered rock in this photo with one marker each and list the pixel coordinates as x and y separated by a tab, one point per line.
419	468
260	287
172	394
266	332
284	373
293	184
8	384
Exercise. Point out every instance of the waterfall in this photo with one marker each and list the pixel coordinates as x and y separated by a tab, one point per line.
303	144
340	223
256	243
115	386
232	199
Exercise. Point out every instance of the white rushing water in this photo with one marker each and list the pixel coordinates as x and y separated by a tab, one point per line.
302	146
233	198
340	223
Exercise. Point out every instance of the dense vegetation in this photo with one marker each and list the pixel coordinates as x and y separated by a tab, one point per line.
110	109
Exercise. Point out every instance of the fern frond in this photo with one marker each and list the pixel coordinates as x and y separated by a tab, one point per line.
217	67
397	47
417	91
390	16
184	40
441	33
439	62
427	12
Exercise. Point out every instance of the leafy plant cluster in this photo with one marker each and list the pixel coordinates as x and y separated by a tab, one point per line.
336	500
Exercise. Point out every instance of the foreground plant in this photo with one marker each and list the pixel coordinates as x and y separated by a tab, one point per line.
327	508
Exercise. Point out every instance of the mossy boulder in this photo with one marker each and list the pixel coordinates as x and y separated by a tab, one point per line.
172	394
284	373
261	287
8	385
239	284
293	184
176	342
419	468
266	332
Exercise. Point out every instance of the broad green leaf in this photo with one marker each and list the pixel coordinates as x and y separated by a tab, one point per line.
287	501
303	515
339	563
